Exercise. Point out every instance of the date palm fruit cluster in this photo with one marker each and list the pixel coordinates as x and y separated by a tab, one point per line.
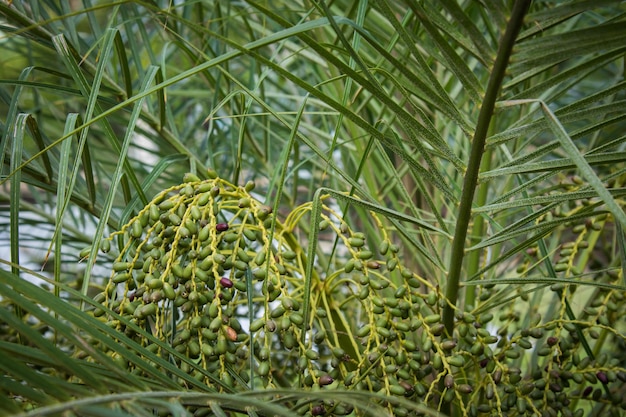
209	270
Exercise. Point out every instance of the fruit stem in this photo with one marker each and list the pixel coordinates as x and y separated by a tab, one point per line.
473	167
478	230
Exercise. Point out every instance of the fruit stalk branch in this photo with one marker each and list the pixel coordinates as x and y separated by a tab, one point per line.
473	167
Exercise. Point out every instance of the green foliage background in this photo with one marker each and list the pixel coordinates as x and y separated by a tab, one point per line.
498	181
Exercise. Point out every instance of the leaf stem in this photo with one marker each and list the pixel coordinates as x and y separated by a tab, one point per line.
473	167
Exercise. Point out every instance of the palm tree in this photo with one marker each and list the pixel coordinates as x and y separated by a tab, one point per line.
319	208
